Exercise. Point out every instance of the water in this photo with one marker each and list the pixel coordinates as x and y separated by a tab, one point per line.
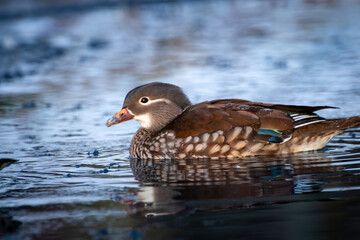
63	74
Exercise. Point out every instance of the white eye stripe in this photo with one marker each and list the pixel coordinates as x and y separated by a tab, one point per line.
155	100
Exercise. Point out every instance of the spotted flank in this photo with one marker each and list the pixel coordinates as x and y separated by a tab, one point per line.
303	119
218	144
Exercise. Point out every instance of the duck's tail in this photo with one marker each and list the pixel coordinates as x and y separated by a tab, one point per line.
315	136
336	125
344	123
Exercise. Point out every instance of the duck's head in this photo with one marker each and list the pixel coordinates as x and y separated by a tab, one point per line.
153	105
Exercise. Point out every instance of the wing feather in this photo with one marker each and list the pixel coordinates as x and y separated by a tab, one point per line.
273	123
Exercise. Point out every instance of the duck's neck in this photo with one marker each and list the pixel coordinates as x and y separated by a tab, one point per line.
137	146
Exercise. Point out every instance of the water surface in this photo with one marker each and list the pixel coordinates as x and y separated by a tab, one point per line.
64	73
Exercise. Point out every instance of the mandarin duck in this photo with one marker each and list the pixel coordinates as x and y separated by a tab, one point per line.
173	128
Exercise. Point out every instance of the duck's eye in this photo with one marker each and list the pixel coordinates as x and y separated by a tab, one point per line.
144	100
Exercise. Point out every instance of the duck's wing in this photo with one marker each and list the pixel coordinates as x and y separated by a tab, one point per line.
263	122
302	115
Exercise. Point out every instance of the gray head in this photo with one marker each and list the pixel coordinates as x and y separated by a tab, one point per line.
153	105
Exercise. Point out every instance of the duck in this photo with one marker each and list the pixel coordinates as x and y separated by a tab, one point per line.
172	128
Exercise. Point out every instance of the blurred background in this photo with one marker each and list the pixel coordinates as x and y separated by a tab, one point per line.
66	66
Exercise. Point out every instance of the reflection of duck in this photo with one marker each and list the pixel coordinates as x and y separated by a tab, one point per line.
231	128
173	188
223	171
7	223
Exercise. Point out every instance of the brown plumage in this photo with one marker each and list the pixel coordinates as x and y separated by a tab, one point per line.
229	128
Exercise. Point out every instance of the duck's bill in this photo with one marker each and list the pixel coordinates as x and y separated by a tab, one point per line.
122	116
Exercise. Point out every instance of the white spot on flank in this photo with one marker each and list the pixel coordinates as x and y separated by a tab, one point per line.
240	144
199	147
225	148
220	132
171	135
196	139
188	139
235	132
182	155
171	144
216	148
162	140
189	148
215	135
248	130
205	137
